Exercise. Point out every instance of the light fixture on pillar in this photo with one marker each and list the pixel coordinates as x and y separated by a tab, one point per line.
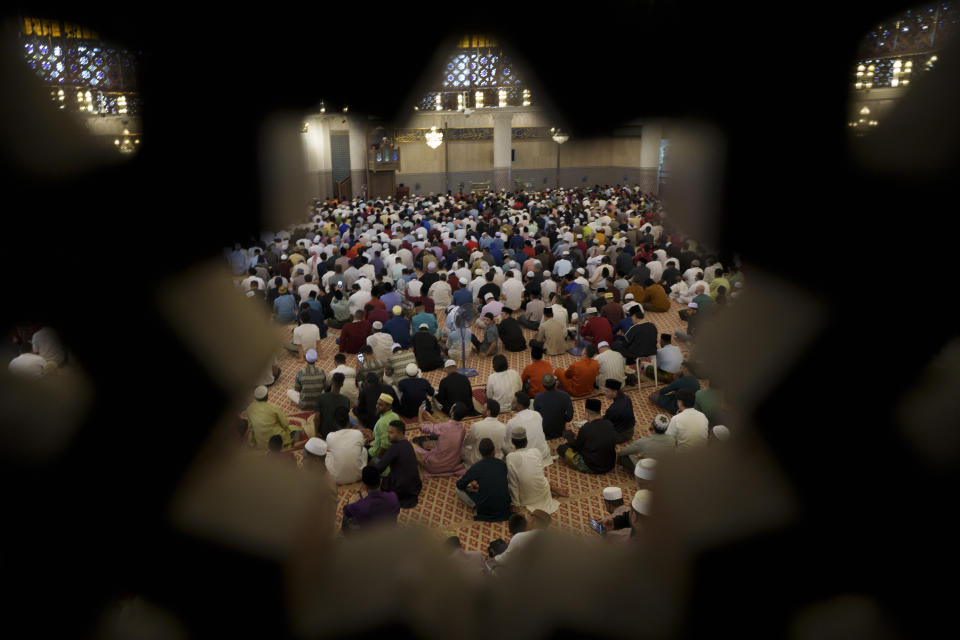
323	107
558	136
478	99
434	138
439	102
502	96
345	109
459	102
526	97
305	128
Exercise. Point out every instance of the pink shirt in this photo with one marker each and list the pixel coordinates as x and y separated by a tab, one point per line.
443	459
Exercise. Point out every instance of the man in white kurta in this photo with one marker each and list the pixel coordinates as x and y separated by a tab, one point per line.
612	365
527	482
532	422
346	455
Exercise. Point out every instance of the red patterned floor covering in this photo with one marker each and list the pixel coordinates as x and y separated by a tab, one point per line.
438	508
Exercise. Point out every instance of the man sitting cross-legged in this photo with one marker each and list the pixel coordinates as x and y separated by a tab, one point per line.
593	449
484	486
439	450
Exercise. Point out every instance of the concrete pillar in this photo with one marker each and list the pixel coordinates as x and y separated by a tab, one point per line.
502	143
318	156
650	138
358	156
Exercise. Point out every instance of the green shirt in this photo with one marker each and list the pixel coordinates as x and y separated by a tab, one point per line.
266	420
380	432
708	402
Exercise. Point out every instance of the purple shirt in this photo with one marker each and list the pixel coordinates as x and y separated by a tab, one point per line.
376	505
391	300
443	459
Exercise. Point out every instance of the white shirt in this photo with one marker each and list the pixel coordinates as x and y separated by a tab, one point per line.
656	270
358	299
711	272
304	291
306	335
612	365
414	287
527	481
475	285
669	358
661	255
27	365
406	258
546	288
562	267
517	542
690	275
463	273
441	293
245	283
512	290
346	455
46	344
502	386
382	344
487	428
369	271
690	428
532	421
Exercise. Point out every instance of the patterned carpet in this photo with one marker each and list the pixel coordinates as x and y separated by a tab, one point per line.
438	508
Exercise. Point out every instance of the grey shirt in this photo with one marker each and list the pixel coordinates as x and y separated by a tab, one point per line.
656	446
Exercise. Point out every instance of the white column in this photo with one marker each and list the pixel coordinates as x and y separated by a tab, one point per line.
358	155
650	138
502	143
318	156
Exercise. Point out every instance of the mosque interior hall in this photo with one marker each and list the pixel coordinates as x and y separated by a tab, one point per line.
458	321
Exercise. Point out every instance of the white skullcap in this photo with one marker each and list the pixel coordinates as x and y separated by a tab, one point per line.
641	502
693	305
590	310
574	316
378	325
396	345
283	256
449	363
603	344
645	469
316	239
738	284
580	270
412	370
316	446
423	325
311	355
566	253
252	293
463	281
530	274
629	296
260	392
488	296
721	433
613	493
478	271
546	273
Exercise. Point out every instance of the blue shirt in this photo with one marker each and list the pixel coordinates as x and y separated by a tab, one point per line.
622	326
462	296
427	318
285	307
399	329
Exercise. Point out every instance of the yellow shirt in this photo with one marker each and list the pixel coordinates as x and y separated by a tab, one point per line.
601	238
296	258
266	420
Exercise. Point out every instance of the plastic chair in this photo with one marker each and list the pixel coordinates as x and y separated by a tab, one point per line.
641	377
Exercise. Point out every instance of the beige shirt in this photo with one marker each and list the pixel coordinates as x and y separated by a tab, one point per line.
528	483
690	427
612	365
486	428
553	333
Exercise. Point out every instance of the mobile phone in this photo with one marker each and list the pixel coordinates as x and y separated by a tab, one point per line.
360	357
596	526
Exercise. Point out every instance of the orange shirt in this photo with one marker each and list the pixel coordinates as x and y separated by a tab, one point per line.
581	375
636	290
534	373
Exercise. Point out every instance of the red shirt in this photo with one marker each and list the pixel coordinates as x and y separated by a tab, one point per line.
353	336
377	314
529	251
472	245
594	331
454	282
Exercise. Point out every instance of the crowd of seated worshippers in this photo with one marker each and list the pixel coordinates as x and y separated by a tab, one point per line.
393	277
